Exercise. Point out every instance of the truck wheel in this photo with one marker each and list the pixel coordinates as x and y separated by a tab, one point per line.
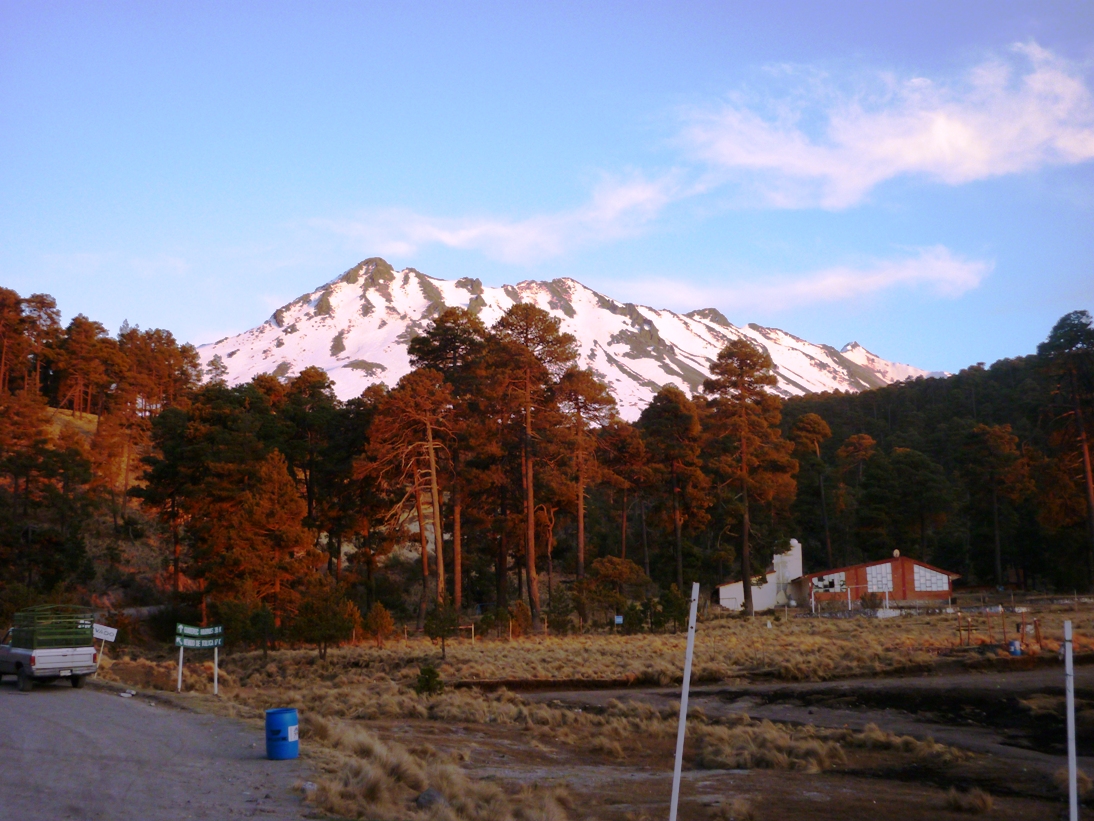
26	681
77	681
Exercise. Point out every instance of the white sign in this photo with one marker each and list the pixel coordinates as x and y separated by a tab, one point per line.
101	631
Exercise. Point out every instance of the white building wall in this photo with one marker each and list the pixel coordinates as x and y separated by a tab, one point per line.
774	591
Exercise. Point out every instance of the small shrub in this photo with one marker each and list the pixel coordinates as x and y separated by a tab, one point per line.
738	809
634	620
675	606
325	616
379	624
441	623
560	612
429	681
871	601
973	801
1082	780
521	617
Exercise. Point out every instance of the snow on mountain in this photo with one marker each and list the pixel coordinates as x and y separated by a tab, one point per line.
888	371
357	326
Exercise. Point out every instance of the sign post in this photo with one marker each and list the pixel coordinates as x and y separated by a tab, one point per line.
200	638
104	634
1069	693
682	727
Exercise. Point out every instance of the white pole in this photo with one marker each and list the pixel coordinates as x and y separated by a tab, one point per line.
180	669
682	727
1069	678
216	666
848	599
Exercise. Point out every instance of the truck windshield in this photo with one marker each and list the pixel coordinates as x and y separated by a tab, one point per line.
7	638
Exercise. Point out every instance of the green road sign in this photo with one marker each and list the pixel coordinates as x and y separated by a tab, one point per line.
200	632
186	641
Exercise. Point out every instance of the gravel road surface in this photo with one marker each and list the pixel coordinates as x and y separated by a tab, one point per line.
90	754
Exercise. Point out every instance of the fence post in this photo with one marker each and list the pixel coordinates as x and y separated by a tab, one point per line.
1069	689
682	727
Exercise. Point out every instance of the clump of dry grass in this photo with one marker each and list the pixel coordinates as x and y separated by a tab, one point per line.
737	809
974	801
1083	782
874	738
380	780
765	745
162	675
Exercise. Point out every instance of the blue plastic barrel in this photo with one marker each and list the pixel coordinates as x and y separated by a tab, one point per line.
1015	647
282	734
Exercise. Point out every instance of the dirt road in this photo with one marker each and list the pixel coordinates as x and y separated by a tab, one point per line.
90	754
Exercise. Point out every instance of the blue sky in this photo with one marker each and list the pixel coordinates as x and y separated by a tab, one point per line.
918	176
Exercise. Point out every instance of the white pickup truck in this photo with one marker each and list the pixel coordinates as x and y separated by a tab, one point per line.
48	643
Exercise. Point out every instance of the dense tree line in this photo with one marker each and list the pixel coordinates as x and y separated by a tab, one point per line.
987	473
498	474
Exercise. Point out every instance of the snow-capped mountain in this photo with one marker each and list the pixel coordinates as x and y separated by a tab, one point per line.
357	327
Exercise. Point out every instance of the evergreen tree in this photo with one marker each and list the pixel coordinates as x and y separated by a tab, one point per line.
756	459
539	354
672	435
586	403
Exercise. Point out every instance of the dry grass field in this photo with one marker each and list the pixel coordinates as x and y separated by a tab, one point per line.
493	753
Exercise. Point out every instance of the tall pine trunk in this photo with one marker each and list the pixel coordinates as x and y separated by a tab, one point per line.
425	551
1088	477
580	516
824	507
998	543
623	529
438	527
457	547
677	525
746	554
530	508
645	540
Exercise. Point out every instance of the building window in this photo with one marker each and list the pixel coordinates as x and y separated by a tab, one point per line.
879	578
931	581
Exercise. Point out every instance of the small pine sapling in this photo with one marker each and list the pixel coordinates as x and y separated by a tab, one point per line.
379	624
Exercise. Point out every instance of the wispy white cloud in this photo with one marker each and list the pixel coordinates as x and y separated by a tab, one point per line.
1006	116
935	270
816	146
616	209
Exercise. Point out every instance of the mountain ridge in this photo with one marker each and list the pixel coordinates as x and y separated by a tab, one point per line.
356	327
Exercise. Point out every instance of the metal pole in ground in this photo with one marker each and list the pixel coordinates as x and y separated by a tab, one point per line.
1069	689
180	669
682	727
216	668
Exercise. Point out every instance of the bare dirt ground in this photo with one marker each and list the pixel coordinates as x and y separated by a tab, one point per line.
89	754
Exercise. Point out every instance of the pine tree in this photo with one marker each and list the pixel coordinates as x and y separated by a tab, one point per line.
808	433
672	435
996	471
586	403
539	353
1070	348
746	418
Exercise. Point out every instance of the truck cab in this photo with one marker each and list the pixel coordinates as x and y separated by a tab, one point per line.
48	643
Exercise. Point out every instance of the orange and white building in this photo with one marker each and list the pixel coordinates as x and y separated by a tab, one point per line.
902	581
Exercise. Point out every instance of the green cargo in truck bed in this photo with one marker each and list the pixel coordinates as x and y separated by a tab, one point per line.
53	625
